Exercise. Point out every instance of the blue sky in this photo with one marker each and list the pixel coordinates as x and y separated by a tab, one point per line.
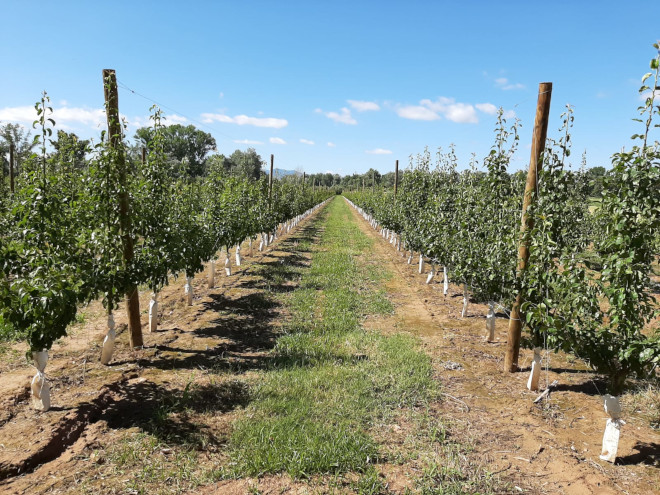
337	86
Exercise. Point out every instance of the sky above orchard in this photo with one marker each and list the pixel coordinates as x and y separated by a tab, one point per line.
339	86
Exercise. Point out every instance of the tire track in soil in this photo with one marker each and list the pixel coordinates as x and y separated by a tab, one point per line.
226	328
545	449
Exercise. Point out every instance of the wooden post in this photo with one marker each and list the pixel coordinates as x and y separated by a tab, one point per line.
313	185
270	180
396	178
527	223
144	155
114	131
304	176
363	183
11	168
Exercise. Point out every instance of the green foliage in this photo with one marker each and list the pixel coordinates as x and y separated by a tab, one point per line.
469	221
186	144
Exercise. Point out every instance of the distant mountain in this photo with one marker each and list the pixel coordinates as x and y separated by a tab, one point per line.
279	172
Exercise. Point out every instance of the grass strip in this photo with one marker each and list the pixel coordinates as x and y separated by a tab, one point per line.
331	380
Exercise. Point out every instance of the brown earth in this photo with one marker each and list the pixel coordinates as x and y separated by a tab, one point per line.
208	354
550	447
198	350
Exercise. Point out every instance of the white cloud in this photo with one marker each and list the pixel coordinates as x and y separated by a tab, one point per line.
64	116
363	106
645	95
246	141
442	107
271	122
344	117
379	151
506	85
307	141
488	108
331	144
509	114
174	119
276	140
415	112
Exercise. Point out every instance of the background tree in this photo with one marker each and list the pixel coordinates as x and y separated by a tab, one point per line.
17	135
187	144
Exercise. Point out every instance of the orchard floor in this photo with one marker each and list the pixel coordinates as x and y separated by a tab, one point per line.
157	420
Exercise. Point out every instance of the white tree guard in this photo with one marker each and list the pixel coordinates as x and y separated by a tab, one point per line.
466	300
272	238
238	255
188	291
421	263
410	258
445	282
535	374
227	263
40	387
431	274
612	428
153	312
109	341
210	279
490	322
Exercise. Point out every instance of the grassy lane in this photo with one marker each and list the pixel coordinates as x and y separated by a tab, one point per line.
332	382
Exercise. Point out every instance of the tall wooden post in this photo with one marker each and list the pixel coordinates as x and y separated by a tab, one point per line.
114	131
11	168
144	155
396	177
303	185
270	180
527	223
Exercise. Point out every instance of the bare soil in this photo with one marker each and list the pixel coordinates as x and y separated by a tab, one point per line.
220	344
549	447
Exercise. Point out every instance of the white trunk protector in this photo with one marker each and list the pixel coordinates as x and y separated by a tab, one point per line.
410	258
227	263
612	428
210	280
238	255
153	312
188	290
490	322
535	374
108	341
466	300
431	274
446	281
40	387
421	263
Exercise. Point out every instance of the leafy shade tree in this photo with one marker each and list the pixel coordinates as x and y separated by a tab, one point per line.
17	135
70	150
247	163
187	144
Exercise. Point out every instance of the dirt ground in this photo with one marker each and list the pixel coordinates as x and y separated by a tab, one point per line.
226	333
551	447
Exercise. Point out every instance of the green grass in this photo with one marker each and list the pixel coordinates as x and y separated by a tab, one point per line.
332	381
